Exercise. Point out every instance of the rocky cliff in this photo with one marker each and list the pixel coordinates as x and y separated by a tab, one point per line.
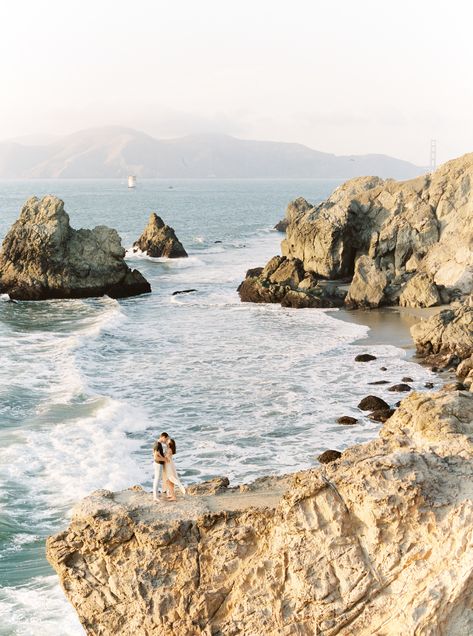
379	541
408	243
159	239
44	257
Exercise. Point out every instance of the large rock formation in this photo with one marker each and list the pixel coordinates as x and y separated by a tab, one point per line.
412	238
446	339
284	281
379	541
44	257
159	239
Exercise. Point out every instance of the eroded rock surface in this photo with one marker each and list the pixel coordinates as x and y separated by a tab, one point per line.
159	239
408	243
379	541
446	338
44	257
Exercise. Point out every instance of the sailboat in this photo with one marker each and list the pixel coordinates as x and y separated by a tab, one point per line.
132	181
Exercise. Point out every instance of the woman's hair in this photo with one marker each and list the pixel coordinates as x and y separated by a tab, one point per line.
172	446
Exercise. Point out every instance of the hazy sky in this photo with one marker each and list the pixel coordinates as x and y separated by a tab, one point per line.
343	76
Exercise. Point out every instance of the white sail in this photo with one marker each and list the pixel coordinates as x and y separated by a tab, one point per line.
132	181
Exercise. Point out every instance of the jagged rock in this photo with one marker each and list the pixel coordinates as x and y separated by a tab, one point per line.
213	486
420	291
159	239
329	456
405	242
378	541
446	334
381	415
400	388
368	285
44	257
281	226
372	403
283	280
347	420
365	357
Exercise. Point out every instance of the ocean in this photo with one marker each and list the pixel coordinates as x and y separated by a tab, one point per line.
86	385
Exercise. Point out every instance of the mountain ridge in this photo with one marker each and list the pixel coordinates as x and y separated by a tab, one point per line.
116	151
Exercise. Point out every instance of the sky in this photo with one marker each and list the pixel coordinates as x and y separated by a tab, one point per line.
341	76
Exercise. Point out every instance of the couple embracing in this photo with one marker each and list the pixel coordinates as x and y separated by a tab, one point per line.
163	451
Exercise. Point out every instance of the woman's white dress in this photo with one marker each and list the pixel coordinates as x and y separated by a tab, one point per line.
170	474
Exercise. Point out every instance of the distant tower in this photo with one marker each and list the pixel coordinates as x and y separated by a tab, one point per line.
433	155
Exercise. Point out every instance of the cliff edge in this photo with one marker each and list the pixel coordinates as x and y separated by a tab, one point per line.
378	542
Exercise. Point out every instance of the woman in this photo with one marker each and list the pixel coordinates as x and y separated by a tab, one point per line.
170	478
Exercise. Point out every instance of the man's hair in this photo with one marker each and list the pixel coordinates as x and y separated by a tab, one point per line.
164	435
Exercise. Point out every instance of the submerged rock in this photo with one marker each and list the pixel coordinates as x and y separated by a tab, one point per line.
347	420
159	239
365	357
44	257
400	388
361	544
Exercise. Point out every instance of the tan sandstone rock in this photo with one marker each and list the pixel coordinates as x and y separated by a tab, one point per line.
378	542
420	291
421	227
447	333
44	257
368	285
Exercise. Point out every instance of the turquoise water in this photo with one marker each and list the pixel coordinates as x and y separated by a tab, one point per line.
246	390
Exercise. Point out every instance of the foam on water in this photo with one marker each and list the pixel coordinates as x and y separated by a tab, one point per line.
246	389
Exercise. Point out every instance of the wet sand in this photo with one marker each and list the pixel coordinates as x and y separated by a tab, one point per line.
388	325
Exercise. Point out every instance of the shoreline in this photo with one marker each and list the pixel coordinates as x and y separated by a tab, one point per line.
388	325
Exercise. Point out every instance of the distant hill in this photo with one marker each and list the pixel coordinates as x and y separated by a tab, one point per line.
113	152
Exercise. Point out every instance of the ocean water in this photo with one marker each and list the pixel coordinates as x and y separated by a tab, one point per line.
86	385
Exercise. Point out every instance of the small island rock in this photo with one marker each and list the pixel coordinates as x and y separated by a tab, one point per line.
43	257
159	239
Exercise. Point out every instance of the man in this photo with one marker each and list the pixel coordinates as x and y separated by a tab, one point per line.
159	461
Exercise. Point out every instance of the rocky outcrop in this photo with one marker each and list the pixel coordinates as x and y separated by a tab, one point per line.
159	239
420	291
368	285
44	257
284	281
408	243
379	541
446	338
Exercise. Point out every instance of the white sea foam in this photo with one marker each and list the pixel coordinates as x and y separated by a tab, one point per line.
37	609
246	389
